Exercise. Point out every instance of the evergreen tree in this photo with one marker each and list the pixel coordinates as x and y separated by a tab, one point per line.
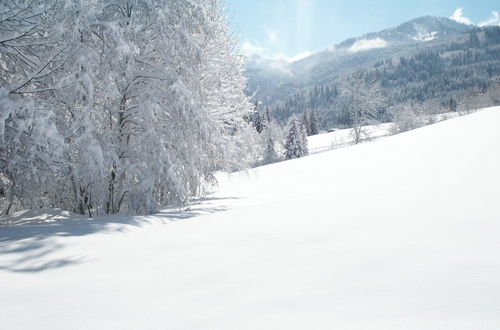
259	119
270	140
313	123
263	121
296	140
269	117
452	104
306	123
255	117
305	145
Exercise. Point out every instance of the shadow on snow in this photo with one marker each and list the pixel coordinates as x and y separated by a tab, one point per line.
32	247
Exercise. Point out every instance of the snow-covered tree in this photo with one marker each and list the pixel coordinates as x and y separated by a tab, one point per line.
30	51
305	122
29	154
147	97
296	140
363	98
313	123
257	118
269	117
406	118
271	143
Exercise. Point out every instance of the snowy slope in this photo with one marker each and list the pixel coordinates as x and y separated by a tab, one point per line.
344	137
400	233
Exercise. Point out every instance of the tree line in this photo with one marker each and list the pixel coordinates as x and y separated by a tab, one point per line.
439	77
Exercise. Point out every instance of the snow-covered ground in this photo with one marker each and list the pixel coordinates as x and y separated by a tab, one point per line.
399	233
38	216
344	137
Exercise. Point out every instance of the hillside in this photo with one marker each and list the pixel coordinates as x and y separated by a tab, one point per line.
424	62
399	233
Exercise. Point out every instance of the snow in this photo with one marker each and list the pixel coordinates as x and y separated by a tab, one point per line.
38	216
423	34
399	233
426	36
344	137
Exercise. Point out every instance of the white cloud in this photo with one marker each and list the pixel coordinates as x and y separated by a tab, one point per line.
249	49
299	56
365	44
331	48
459	17
493	20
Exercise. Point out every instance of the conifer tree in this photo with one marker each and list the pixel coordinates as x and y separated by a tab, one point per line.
259	119
269	117
452	104
269	147
313	123
306	123
255	117
296	140
263	121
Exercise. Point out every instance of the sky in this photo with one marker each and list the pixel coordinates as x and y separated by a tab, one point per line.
292	29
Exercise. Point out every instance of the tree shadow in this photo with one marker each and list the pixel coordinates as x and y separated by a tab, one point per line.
34	246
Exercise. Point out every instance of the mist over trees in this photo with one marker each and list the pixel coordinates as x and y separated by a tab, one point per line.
117	106
436	76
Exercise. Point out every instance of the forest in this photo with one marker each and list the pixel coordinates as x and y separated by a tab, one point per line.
461	72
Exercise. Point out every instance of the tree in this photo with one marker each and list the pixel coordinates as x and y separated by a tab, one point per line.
306	123
363	98
146	101
269	117
452	104
271	143
29	149
313	122
30	51
296	140
494	94
263	120
405	118
255	117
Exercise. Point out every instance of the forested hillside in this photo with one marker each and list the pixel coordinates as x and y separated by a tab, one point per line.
448	71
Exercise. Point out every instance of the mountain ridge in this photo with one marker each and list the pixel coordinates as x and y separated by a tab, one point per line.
277	84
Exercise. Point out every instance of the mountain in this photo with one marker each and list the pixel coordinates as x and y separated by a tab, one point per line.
266	73
287	83
425	28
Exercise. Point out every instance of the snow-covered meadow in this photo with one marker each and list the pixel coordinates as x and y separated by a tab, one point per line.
344	137
399	233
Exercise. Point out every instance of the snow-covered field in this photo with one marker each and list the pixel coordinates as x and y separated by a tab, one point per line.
344	137
399	233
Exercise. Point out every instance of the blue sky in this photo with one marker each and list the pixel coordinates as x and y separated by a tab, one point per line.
287	28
